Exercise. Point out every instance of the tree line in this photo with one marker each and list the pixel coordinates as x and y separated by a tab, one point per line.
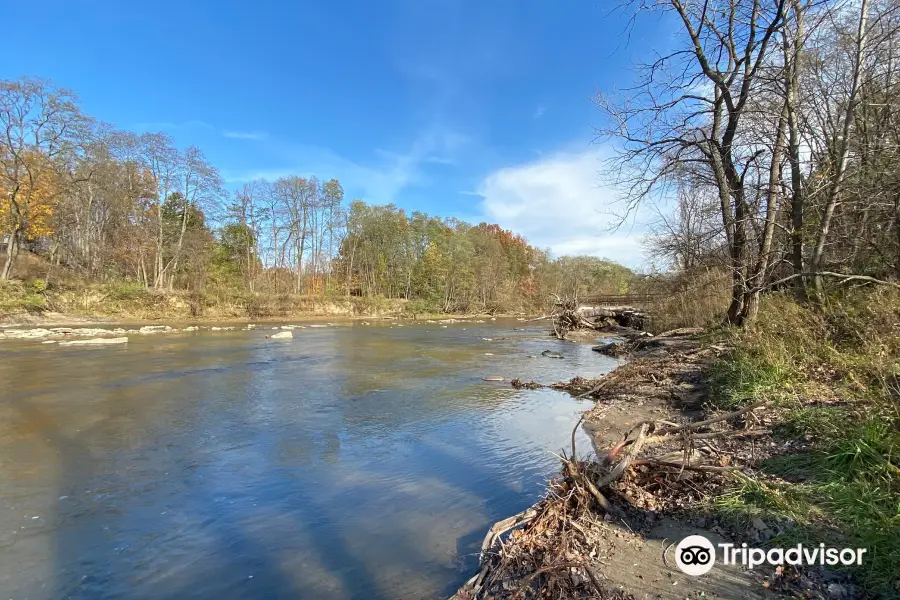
775	125
111	205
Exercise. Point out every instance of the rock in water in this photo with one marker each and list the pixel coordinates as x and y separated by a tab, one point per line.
284	335
146	329
551	354
95	342
614	349
493	378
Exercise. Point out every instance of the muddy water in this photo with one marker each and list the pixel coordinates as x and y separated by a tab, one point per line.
350	462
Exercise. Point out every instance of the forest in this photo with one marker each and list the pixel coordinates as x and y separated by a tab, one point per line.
774	127
135	212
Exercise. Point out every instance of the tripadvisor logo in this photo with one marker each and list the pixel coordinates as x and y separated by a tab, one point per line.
696	555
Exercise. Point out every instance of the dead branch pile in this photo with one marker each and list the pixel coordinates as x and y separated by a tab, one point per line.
549	552
569	315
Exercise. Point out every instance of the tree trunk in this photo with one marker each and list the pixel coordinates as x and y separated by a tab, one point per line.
12	251
798	200
750	307
843	150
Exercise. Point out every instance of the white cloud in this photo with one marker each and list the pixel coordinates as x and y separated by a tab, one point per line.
539	111
246	135
560	202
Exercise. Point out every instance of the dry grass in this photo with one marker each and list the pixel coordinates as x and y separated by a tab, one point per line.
693	299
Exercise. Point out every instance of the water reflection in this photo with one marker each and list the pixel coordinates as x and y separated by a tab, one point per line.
352	462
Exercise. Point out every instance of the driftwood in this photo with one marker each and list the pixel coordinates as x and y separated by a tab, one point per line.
569	315
584	490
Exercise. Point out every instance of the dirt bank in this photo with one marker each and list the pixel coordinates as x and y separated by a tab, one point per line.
609	523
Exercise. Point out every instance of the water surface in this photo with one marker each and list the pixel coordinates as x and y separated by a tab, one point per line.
350	462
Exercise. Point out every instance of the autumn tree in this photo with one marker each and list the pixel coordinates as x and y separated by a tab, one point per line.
41	133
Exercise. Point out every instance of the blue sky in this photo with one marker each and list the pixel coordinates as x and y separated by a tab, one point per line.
475	109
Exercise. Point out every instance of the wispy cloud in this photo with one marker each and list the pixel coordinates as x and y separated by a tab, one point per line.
540	111
235	134
245	135
379	180
560	202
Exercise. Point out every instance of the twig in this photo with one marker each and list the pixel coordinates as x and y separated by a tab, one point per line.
718	419
574	429
682	465
842	276
665	437
593	390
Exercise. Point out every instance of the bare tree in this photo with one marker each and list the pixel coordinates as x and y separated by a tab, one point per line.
701	106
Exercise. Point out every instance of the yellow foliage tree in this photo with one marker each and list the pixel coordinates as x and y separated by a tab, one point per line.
35	200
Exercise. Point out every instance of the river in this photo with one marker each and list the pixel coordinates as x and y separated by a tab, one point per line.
353	461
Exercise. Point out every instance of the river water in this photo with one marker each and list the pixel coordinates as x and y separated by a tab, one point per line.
353	461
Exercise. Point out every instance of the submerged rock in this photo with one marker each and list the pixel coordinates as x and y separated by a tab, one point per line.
551	354
56	332
26	334
95	342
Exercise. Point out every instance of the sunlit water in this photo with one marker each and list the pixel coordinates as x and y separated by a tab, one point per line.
350	462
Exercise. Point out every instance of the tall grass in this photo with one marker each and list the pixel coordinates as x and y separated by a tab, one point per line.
832	375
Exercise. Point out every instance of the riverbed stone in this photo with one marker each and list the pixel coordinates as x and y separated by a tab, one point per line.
282	335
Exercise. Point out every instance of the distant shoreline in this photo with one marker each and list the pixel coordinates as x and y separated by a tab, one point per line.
53	319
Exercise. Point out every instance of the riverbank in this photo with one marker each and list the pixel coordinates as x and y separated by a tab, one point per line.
42	293
24	305
788	434
137	306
